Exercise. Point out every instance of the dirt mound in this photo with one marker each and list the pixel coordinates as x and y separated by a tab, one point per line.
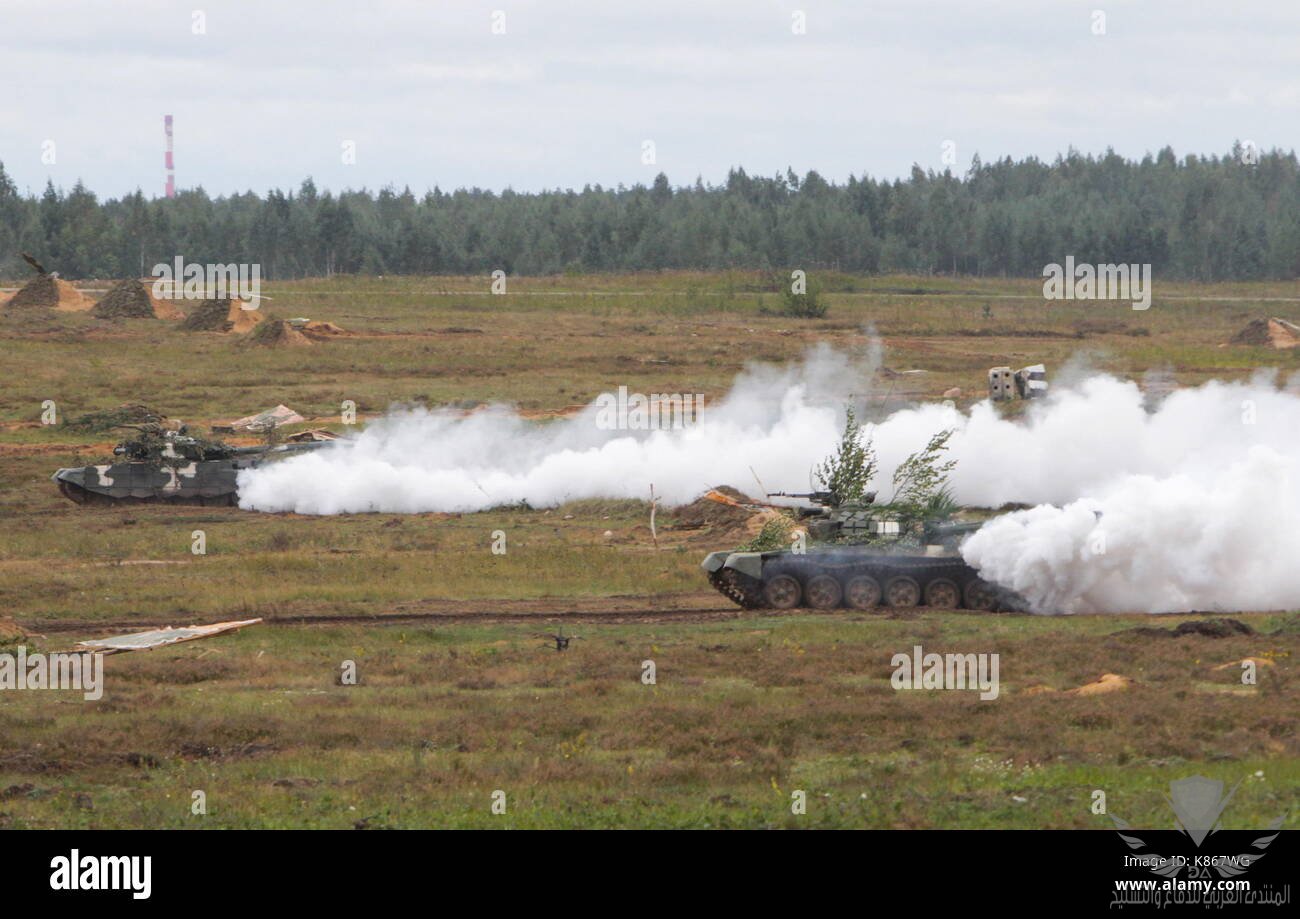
1107	683
243	320
324	330
276	333
49	292
1208	628
221	315
1268	333
1214	628
718	508
131	299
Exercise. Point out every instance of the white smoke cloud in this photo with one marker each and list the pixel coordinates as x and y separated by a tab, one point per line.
1192	505
1195	505
780	421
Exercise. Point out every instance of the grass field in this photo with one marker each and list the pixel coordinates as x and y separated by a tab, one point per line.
458	696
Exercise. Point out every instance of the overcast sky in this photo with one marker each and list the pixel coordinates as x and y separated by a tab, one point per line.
267	93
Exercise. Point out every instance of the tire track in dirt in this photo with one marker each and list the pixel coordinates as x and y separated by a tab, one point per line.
302	621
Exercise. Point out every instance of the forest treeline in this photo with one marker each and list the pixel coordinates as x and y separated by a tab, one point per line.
1235	216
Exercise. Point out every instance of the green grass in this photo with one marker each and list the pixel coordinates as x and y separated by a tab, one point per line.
743	713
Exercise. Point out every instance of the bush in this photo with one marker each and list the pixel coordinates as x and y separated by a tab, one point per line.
776	534
807	305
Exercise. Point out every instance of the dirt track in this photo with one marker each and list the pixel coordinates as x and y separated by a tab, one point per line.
609	610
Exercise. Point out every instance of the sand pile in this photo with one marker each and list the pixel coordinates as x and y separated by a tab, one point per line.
323	330
242	320
1269	333
130	299
276	333
221	315
1107	683
49	292
11	632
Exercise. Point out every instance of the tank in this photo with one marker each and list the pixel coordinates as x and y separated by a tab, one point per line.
858	555
168	467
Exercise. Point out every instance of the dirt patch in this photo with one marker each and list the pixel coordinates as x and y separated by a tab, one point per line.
221	315
1208	628
323	330
276	333
191	750
10	631
1253	661
49	292
130	299
1016	333
1107	683
1268	333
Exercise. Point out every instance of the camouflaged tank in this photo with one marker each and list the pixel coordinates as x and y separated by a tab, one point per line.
858	556
171	467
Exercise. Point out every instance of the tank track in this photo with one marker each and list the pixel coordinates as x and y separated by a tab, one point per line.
84	496
747	592
738	588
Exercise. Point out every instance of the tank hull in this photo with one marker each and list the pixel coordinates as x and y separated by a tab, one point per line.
209	483
852	578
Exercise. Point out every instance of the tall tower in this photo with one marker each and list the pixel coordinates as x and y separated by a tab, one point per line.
168	161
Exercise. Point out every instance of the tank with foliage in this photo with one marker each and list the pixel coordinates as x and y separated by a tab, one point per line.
852	552
158	465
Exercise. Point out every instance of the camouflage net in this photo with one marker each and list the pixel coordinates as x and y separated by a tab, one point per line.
208	316
38	292
150	444
276	333
126	300
130	413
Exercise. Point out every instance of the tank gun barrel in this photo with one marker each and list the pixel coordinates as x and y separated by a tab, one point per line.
823	498
817	497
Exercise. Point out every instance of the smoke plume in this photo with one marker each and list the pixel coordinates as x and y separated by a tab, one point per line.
1189	504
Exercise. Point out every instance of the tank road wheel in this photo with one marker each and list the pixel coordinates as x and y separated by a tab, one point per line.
823	592
903	591
782	592
942	593
862	592
979	595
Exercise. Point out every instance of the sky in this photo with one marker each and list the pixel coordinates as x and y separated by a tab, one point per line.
531	95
